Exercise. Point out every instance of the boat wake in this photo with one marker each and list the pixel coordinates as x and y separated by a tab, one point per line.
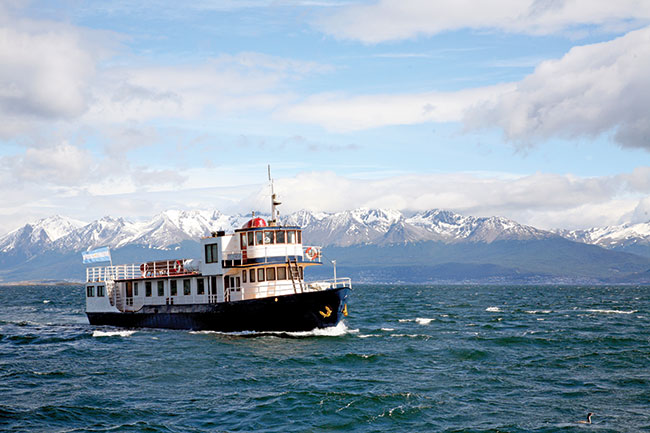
612	311
113	333
335	331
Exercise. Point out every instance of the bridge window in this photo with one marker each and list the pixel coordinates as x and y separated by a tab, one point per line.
90	291
242	238
259	238
100	291
251	273
173	288
291	237
161	288
270	274
147	288
251	239
200	286
260	275
279	237
282	273
212	253
299	236
269	238
187	288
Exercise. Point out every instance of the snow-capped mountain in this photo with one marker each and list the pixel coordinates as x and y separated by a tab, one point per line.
33	238
611	237
359	226
452	227
354	227
463	247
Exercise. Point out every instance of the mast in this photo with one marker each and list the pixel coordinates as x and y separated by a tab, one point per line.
274	202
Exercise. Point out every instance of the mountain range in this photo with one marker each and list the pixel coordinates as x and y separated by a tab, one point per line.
371	244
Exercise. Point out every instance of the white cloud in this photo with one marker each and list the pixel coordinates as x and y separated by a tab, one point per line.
591	90
338	112
47	70
542	200
226	84
402	19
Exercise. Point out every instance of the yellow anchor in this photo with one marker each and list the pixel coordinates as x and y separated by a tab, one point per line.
328	312
345	310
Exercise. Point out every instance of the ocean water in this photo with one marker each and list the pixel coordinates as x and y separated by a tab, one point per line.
408	358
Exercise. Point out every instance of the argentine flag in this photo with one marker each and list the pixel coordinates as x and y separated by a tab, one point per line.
99	255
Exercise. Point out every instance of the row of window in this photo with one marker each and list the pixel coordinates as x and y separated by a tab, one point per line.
268	274
270	237
90	291
173	288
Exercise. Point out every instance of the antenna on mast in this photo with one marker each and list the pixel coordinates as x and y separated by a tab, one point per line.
274	202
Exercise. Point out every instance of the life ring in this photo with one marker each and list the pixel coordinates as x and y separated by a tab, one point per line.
178	266
311	253
144	268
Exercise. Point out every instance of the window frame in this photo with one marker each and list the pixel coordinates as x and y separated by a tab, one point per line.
187	287
212	253
161	288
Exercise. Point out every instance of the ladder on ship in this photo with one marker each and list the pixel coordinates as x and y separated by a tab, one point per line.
114	295
294	272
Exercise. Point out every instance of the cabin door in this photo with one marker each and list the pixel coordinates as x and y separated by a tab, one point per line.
129	293
213	290
243	244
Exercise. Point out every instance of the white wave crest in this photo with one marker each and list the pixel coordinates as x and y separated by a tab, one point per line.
387	329
113	333
538	311
423	321
493	309
46	301
612	311
334	331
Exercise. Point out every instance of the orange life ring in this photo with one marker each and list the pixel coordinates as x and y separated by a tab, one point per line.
178	266
143	269
311	253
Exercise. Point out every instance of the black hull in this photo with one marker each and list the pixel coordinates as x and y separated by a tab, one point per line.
299	312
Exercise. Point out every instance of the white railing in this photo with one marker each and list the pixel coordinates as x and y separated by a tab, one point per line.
160	268
334	283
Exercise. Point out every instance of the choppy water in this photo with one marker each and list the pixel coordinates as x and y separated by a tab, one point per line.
414	358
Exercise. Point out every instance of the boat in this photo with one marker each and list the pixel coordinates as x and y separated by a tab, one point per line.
250	280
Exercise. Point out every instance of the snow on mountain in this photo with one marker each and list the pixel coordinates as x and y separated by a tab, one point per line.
352	227
451	227
35	237
610	237
107	231
345	228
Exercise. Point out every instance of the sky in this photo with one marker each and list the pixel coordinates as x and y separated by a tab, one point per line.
535	110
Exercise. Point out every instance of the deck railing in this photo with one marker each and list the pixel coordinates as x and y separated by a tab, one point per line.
161	268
